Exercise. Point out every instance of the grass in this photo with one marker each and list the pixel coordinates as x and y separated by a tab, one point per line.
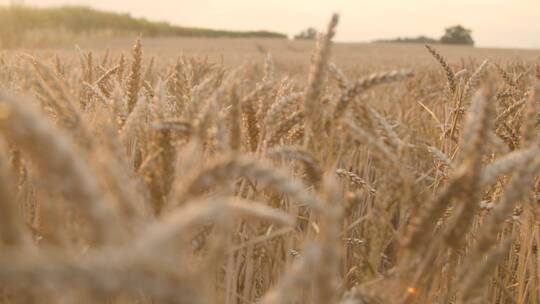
132	178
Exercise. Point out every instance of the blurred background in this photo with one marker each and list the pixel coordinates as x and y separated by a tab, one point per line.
493	23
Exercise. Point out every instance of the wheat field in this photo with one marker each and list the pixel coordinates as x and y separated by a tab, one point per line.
262	171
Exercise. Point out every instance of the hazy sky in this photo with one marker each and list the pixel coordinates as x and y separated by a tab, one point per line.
500	23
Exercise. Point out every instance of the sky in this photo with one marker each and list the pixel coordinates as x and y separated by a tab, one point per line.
495	23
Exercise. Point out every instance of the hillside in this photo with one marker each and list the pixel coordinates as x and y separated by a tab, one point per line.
22	26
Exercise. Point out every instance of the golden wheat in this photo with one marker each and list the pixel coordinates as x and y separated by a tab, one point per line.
182	180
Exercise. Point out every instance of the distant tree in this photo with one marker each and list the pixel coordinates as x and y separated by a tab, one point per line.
308	34
418	39
457	35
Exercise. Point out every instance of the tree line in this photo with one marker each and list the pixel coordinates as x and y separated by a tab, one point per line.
453	35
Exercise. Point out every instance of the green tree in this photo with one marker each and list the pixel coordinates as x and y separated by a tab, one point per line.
308	34
457	35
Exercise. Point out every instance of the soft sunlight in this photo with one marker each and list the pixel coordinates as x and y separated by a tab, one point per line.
495	23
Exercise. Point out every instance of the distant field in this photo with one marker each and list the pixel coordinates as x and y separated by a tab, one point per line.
28	26
293	56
